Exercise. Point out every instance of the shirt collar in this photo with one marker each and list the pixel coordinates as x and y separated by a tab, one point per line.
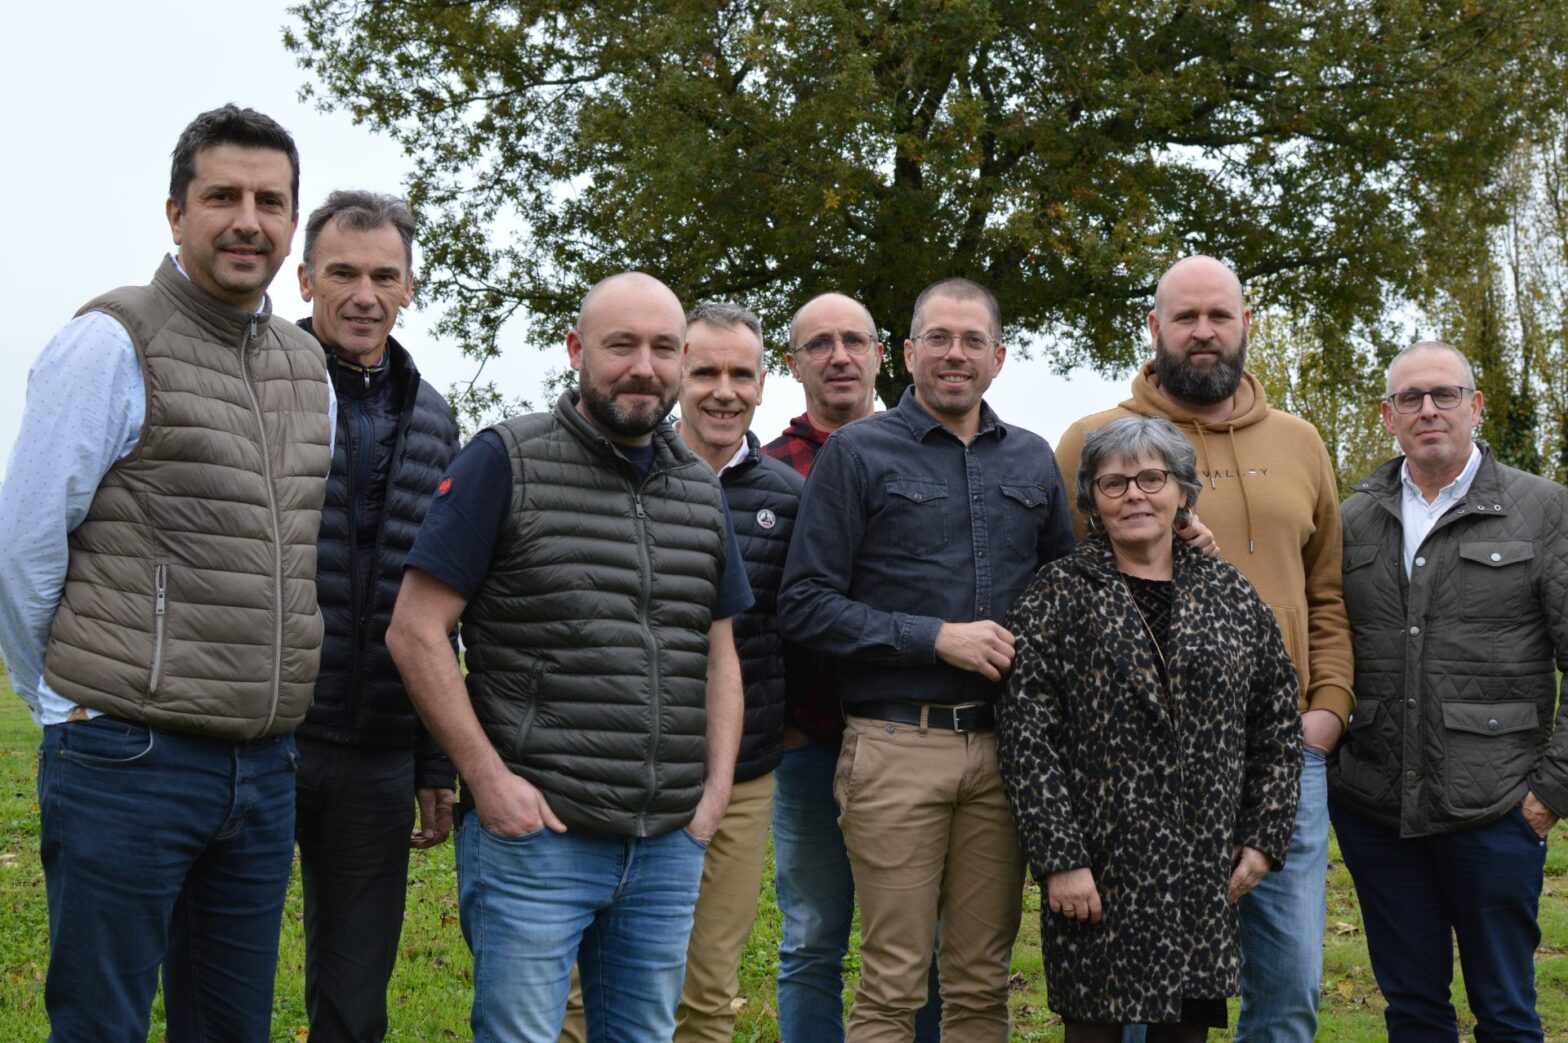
1454	490
739	458
921	423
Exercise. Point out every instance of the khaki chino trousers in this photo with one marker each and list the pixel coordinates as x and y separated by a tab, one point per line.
930	837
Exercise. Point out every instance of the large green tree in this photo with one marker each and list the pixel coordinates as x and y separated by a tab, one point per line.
1061	153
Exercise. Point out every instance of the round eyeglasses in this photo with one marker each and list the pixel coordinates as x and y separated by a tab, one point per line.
821	346
939	342
1150	480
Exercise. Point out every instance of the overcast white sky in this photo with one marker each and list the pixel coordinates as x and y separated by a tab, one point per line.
99	91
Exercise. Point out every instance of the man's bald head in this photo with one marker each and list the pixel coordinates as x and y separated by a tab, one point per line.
1198	268
614	291
828	301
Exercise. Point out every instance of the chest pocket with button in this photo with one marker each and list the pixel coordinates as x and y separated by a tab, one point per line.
1494	577
1024	511
914	516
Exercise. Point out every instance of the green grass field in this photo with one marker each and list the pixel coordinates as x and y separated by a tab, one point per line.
430	991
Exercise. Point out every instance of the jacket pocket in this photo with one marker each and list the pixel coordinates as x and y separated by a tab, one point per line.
160	609
915	517
1488	750
1494	577
1024	510
1365	587
1366	762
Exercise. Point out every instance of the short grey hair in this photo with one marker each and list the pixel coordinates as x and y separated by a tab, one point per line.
726	316
1129	438
363	212
1429	345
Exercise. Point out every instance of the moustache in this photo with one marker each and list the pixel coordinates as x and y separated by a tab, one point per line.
260	243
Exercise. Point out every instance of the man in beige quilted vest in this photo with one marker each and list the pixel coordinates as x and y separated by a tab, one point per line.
158	606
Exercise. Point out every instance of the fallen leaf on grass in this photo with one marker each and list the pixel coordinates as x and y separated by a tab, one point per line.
1341	927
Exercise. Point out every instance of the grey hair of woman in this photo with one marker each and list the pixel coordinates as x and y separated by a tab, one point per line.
1127	439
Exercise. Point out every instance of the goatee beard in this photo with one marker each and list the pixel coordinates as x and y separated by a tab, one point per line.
1180	379
613	418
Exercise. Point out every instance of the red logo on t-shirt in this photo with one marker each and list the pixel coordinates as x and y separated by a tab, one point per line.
446	483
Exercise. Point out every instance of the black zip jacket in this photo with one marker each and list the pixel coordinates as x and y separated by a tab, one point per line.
395	438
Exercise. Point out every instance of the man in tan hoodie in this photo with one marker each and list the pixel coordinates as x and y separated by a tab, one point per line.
1271	499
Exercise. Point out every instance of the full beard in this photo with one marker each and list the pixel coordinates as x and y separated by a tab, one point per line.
603	408
1181	379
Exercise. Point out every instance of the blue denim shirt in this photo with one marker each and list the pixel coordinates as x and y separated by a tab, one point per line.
902	528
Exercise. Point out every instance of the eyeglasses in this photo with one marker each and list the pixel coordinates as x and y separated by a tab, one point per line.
937	342
821	346
1410	400
1150	480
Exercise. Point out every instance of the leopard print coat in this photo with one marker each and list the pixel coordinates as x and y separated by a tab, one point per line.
1100	774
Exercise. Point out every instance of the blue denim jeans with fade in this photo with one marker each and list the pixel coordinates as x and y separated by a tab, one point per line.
162	849
621	907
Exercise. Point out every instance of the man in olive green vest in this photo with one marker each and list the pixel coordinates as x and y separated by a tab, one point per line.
590	558
158	606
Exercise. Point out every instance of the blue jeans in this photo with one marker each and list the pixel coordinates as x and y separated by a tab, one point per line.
1417	894
619	906
1282	921
816	895
162	849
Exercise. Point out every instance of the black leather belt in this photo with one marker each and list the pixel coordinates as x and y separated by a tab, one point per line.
965	717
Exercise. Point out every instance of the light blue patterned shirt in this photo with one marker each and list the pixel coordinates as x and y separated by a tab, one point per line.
86	405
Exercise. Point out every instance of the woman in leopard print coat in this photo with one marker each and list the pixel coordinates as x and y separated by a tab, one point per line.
1146	745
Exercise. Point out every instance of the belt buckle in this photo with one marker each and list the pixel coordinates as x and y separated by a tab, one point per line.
959	707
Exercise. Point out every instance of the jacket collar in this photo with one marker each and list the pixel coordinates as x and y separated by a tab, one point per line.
1097	560
223	322
399	368
668	450
1486	495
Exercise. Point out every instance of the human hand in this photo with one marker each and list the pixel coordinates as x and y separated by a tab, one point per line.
435	817
1072	894
1198	536
984	647
1539	816
710	812
1321	729
1251	866
511	806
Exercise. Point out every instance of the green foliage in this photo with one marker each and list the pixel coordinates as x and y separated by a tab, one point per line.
1330	379
1063	154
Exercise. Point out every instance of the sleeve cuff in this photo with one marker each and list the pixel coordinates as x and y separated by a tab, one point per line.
1335	698
917	638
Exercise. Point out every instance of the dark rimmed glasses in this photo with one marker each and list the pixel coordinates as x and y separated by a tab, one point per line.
1444	396
1150	480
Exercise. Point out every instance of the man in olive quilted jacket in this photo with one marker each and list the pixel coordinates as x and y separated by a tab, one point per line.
1452	773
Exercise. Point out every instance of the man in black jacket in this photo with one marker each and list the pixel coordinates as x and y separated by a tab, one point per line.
364	757
1455	767
721	387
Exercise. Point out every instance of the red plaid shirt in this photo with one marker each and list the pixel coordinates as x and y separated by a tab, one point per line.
817	710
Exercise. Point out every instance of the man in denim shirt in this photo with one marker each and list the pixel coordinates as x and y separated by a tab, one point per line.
918	528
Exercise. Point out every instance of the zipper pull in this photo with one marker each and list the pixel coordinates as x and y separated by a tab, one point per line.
250	330
366	372
637	505
160	600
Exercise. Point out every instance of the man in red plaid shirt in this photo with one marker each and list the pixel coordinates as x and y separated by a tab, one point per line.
834	352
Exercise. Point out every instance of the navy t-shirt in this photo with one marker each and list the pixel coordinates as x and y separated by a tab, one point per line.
457	541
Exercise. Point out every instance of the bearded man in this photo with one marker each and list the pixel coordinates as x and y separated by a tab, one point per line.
590	558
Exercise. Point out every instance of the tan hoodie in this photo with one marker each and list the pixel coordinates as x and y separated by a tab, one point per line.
1269	495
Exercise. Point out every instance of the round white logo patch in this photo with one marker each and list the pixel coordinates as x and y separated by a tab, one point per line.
766	518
